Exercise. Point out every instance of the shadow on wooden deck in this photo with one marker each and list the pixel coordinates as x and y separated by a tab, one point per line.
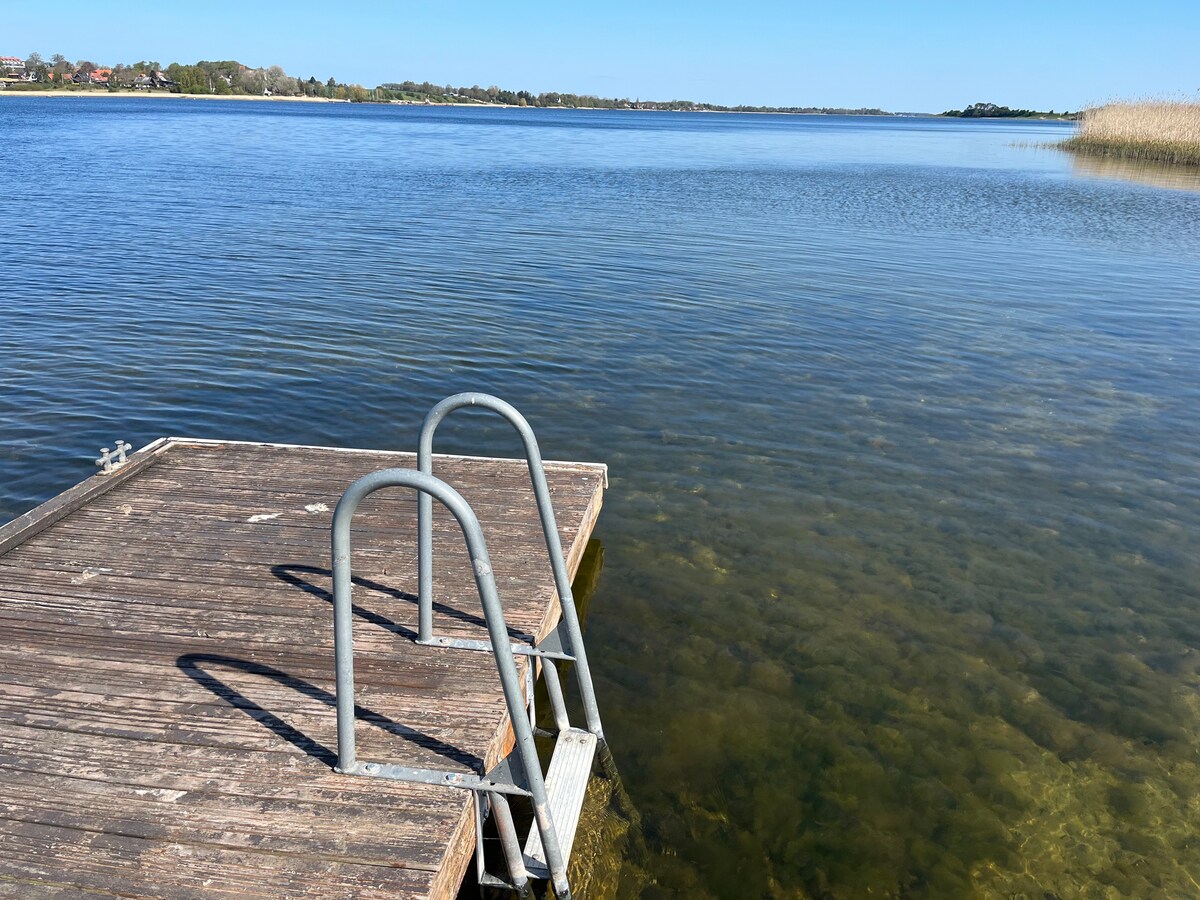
194	666
290	573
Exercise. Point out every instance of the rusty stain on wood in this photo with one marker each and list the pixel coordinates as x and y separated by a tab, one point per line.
166	673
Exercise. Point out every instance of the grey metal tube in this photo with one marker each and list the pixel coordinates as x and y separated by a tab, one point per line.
485	583
508	841
343	628
537	474
480	799
558	705
531	692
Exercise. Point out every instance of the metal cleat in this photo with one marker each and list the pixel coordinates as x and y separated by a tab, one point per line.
107	464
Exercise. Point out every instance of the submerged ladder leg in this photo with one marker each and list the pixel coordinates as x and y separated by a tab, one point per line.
558	705
530	692
480	801
510	844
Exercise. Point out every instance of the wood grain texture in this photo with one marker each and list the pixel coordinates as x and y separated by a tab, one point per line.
166	674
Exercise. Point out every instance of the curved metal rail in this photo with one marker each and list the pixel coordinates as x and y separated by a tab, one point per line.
562	581
348	763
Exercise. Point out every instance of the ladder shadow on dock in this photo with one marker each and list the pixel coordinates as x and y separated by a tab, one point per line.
290	573
196	666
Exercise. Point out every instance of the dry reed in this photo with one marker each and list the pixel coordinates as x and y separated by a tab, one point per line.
1157	130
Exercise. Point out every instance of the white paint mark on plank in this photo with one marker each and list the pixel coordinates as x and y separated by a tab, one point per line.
88	574
161	794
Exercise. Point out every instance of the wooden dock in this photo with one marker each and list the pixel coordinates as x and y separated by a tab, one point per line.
166	673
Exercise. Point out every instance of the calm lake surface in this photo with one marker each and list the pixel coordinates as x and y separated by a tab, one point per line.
901	591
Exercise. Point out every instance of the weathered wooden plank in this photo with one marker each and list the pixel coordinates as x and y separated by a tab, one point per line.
26	888
245	710
290	525
239	721
379	582
236	489
232	822
375	632
303	595
265	774
124	595
82	550
167	652
510	538
47	857
200	450
86	564
120	617
202	680
333	482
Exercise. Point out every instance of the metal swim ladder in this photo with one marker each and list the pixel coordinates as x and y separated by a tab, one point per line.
566	642
557	797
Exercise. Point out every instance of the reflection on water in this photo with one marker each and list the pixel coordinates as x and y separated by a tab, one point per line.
901	593
1159	175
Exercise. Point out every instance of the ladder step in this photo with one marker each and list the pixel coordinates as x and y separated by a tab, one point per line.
566	783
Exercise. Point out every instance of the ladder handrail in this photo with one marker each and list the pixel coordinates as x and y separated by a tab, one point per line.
485	583
541	491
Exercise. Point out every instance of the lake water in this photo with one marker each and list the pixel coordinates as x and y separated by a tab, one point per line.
901	592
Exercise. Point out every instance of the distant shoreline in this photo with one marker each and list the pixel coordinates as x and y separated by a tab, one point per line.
475	105
731	112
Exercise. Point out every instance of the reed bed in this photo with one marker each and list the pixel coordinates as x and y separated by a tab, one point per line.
1162	131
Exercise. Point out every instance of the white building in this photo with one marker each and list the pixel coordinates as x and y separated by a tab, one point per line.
11	67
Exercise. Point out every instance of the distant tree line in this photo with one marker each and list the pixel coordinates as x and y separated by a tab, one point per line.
225	77
229	77
426	92
809	110
992	111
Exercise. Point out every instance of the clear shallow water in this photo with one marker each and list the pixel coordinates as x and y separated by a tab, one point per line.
900	590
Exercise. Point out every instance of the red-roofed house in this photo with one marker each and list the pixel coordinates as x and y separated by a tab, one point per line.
11	68
96	76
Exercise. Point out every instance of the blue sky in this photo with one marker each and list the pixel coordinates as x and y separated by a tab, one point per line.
900	56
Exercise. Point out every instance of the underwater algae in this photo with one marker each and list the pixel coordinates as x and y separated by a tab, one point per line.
972	681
